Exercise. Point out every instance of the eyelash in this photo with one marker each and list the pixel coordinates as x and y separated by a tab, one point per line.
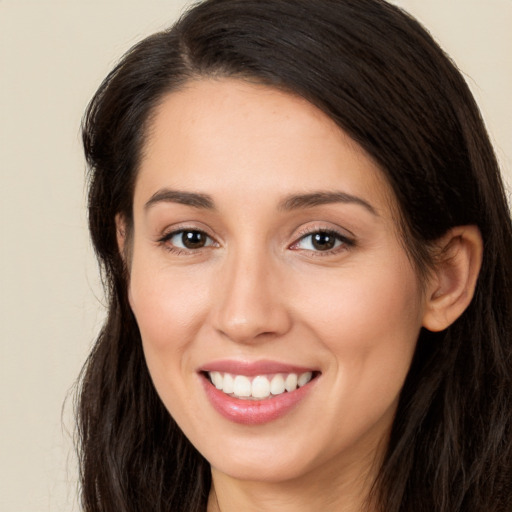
344	241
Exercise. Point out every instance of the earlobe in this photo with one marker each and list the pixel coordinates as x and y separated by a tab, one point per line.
453	280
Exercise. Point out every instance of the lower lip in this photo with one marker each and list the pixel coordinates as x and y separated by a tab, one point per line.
254	412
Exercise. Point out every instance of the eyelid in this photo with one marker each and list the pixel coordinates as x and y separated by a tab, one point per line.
169	230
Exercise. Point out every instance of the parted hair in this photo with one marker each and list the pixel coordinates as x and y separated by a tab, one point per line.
380	76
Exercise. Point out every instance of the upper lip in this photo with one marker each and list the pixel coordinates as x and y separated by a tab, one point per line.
252	368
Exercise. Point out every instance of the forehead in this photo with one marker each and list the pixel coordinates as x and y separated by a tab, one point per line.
230	134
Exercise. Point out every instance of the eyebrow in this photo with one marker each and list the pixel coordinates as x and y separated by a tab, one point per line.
313	199
202	201
290	203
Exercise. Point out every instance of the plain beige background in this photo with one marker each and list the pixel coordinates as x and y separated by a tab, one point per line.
53	55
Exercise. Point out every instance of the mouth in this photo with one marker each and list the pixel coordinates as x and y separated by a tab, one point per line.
254	393
259	387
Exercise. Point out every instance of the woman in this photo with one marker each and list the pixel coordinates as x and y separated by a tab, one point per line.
307	250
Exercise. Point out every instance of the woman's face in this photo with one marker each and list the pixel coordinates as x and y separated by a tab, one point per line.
265	252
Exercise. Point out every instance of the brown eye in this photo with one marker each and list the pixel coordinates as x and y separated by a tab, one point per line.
190	239
323	241
193	239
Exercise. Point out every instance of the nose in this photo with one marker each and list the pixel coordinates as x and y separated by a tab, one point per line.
250	305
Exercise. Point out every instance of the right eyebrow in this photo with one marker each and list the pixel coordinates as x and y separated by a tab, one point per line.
165	195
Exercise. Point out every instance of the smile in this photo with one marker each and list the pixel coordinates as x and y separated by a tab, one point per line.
259	387
254	393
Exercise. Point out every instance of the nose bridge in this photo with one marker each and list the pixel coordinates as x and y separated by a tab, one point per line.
249	306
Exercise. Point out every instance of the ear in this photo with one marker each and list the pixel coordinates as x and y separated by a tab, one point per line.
121	235
453	280
124	247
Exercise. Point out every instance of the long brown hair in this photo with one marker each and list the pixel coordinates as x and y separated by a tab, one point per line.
379	75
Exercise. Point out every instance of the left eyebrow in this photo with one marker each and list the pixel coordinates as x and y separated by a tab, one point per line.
310	200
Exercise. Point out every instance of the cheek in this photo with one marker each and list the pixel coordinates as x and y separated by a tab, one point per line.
164	301
369	304
370	323
170	308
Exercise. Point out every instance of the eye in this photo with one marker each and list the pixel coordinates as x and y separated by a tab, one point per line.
322	241
188	239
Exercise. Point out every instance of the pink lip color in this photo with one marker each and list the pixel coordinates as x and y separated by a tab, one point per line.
253	412
251	369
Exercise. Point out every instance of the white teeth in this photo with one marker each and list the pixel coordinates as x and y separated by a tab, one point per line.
277	385
290	383
242	386
216	379
261	386
304	378
229	384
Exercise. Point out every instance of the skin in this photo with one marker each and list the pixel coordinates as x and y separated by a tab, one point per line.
260	290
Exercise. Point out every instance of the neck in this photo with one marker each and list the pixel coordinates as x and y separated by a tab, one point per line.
327	489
